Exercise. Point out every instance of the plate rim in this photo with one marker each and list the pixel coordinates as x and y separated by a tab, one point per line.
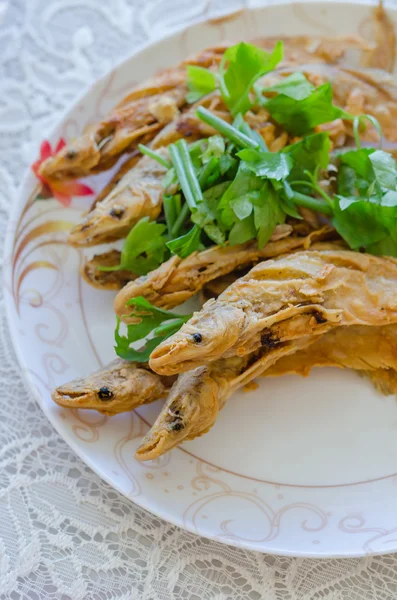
144	502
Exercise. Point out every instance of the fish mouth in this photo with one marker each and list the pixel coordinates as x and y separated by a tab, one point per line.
73	399
154	447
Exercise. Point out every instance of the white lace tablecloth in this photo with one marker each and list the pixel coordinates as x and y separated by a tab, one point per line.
64	533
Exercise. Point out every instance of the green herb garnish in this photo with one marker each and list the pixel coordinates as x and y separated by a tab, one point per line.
155	155
151	321
144	248
186	244
246	63
200	82
300	116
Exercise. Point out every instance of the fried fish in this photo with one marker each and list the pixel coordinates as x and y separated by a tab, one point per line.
93	273
136	119
177	280
198	395
119	387
138	194
302	293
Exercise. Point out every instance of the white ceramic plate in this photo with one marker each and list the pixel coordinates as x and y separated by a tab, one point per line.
300	466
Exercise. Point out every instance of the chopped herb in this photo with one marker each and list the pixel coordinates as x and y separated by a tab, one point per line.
155	155
144	248
151	320
230	132
245	64
185	173
186	244
200	82
272	165
215	148
301	116
295	86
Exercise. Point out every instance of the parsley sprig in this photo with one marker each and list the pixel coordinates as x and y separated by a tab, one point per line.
151	321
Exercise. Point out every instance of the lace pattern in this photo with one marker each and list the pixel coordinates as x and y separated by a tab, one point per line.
64	533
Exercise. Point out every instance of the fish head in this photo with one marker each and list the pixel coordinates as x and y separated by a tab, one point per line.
189	412
204	338
119	387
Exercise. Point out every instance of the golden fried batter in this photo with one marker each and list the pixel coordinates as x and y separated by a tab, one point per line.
306	293
105	280
177	280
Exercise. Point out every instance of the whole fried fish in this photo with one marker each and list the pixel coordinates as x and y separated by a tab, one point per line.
119	387
138	194
198	395
177	280
136	119
305	293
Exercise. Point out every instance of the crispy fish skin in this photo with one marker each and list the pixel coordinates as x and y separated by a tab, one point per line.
135	119
197	396
127	165
105	280
335	288
138	194
177	280
119	387
359	347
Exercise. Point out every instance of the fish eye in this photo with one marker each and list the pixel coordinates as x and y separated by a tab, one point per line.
105	394
197	338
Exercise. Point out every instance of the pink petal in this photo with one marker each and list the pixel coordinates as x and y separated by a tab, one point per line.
45	150
62	198
74	188
61	144
35	168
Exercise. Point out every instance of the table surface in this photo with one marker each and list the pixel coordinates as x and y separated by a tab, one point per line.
64	533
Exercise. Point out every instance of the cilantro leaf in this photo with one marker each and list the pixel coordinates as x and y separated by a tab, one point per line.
245	64
144	248
295	86
300	116
308	154
245	182
385	169
272	165
347	181
267	213
242	231
186	244
200	81
361	222
150	320
243	206
365	209
215	148
359	161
